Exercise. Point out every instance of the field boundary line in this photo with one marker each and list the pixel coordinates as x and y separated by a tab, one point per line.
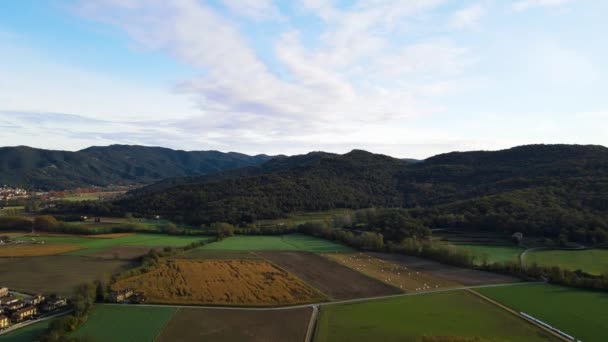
508	309
311	323
160	331
299	306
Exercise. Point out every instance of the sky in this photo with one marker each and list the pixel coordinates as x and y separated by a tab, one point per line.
406	78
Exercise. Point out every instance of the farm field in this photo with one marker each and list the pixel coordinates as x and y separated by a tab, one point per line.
217	254
80	198
454	313
55	274
334	280
237	325
396	275
593	261
28	250
221	282
92	245
492	254
289	242
128	323
580	313
26	334
122	252
464	276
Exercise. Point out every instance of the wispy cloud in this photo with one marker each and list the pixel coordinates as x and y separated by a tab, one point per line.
468	17
523	5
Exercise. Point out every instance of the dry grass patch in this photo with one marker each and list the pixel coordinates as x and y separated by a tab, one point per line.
30	250
221	282
391	273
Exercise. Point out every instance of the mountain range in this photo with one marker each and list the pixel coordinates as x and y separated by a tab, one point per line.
40	169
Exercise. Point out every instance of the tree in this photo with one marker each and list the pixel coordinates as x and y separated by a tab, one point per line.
46	223
222	229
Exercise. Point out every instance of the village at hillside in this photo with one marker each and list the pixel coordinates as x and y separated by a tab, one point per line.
16	308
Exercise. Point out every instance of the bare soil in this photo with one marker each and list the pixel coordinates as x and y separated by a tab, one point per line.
464	276
237	325
334	280
122	252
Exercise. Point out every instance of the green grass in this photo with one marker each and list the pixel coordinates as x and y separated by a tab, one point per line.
26	334
594	261
80	198
494	253
583	314
92	245
129	323
291	242
455	313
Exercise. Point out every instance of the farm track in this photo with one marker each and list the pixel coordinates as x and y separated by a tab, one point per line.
508	309
311	324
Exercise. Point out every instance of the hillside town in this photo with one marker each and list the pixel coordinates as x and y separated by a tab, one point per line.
9	193
16	308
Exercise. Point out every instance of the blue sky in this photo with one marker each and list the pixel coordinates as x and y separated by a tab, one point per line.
405	78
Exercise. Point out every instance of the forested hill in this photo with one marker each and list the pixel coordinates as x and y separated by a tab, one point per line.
112	165
546	189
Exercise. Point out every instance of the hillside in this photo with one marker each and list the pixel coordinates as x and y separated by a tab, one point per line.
548	190
112	165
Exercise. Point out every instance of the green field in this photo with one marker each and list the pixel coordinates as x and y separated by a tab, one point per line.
492	253
129	323
26	334
291	242
583	314
92	245
455	313
80	198
594	261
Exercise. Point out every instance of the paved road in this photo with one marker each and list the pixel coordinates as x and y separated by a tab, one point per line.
25	324
311	323
356	300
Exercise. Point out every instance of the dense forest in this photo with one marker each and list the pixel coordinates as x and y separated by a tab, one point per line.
557	191
38	169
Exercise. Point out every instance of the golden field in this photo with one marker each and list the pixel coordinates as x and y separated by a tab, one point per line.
220	282
29	250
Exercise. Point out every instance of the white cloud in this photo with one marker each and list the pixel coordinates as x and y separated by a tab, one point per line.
527	4
254	9
468	17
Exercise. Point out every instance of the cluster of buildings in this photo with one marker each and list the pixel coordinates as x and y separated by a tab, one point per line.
126	296
8	193
15	310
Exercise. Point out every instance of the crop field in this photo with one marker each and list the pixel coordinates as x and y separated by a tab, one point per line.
27	250
122	252
334	280
300	218
593	261
464	276
454	313
221	282
55	274
580	313
26	334
237	325
217	254
291	242
125	323
394	274
92	245
80	198
492	254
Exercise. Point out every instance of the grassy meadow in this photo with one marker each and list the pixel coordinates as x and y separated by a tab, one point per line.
456	313
582	314
26	334
492	254
93	244
593	261
129	323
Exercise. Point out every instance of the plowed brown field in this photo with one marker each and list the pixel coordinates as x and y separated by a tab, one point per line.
221	282
29	250
331	278
391	273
